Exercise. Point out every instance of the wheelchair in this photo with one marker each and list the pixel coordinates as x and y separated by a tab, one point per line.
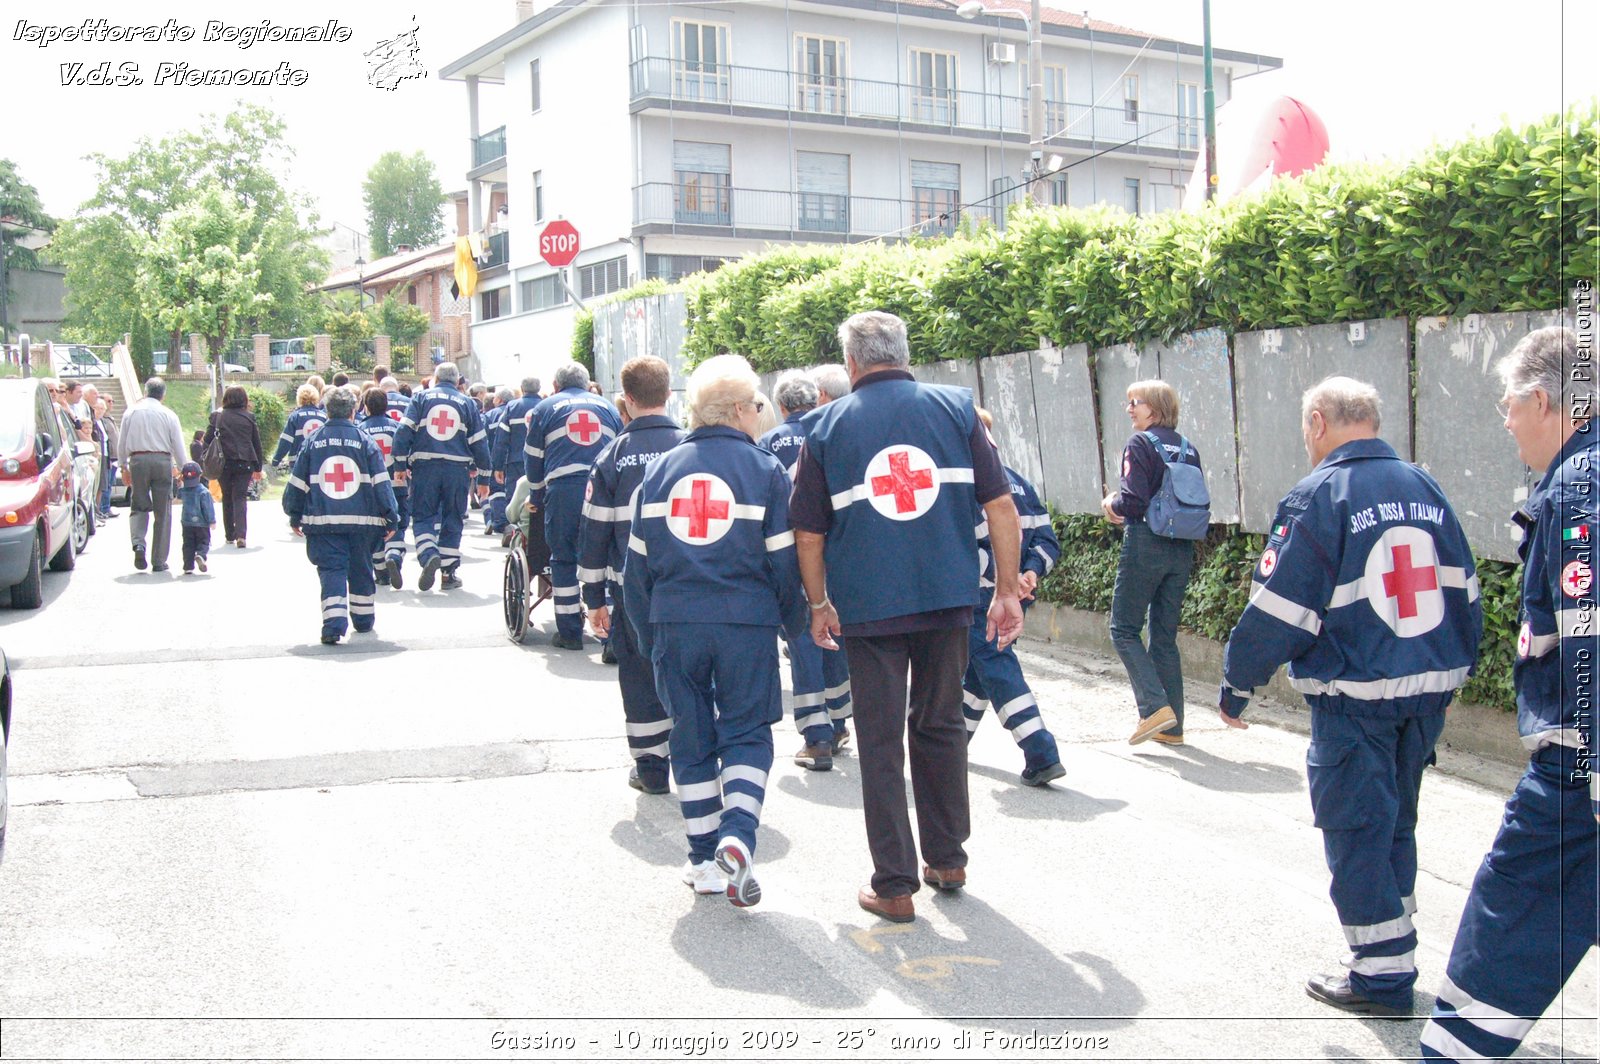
523	590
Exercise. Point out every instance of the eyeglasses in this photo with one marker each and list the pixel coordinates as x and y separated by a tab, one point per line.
757	403
1136	402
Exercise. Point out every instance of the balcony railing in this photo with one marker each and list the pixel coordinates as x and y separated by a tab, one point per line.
771	211
489	147
833	99
499	251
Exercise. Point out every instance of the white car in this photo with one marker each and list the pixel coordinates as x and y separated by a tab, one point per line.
158	362
76	360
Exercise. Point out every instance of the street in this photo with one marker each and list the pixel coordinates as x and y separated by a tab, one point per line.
229	841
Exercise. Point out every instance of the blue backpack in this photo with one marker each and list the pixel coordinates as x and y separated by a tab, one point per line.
1181	507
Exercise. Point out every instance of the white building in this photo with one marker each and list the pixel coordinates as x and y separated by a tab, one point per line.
676	136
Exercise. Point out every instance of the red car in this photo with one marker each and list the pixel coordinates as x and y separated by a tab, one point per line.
38	503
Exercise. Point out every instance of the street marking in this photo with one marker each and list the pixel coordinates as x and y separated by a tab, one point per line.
929	969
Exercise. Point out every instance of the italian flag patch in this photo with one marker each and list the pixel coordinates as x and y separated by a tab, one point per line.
1579	533
1280	529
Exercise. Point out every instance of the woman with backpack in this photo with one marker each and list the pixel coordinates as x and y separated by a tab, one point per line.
1161	518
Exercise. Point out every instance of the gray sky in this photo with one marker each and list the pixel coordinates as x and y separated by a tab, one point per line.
1387	76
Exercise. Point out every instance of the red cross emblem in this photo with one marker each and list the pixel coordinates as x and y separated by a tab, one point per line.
310	428
1401	581
338	477
583	428
1404	581
384	447
443	424
901	483
1576	579
1269	561
1524	640
700	510
394	415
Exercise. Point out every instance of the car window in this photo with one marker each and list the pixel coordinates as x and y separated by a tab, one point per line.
16	420
45	414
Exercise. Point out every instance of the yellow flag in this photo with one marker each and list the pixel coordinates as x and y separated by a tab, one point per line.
466	269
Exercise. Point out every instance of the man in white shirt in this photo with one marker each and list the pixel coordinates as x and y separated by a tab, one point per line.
151	451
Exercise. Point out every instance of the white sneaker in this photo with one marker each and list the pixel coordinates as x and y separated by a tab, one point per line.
704	877
734	860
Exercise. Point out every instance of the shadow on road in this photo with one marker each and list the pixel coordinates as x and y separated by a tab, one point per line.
1053	801
1220	774
655	835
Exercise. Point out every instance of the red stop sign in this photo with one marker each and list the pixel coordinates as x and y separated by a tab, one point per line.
558	243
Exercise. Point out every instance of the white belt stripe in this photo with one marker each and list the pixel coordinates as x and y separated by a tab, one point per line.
360	478
1484	1017
566	471
1420	683
475	437
343	519
864	490
1569	737
603	513
425	456
743	772
1367	934
780	541
1293	614
696	792
1540	645
591	576
636	545
568	608
1449	576
739	511
535	451
296	482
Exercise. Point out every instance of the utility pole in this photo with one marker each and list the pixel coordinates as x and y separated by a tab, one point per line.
1036	187
1211	109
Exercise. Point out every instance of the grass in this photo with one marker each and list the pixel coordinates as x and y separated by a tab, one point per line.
191	401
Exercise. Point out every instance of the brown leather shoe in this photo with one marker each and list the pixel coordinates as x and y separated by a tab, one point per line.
896	909
944	878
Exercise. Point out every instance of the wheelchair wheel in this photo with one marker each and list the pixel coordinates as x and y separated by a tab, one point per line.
514	594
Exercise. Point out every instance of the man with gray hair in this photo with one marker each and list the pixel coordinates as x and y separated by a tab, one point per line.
1368	589
1530	918
151	451
440	439
819	679
494	506
890	485
506	452
566	433
833	382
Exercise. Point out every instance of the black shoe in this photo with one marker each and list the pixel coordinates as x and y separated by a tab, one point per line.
607	655
159	567
505	538
450	582
1335	990
429	571
138	558
396	580
1038	777
200	561
329	639
562	642
639	783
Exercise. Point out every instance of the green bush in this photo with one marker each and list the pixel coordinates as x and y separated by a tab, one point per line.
271	412
583	340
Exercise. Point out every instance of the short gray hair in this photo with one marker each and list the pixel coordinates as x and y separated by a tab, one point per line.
446	373
571	375
340	401
530	386
389	384
1342	401
505	395
875	339
795	391
717	386
1548	360
155	388
833	380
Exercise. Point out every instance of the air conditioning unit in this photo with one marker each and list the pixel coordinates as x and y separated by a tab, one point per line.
1002	53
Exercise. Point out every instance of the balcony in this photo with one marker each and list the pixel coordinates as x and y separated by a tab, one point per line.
499	249
863	103
489	148
761	214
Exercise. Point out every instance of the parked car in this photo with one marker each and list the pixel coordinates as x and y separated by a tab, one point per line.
77	360
158	362
5	741
38	497
294	355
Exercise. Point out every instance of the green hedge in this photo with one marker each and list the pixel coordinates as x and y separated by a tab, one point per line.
271	412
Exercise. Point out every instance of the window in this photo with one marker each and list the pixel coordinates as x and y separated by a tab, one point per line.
699	60
677	267
1003	192
1130	97
1055	100
933	87
1055	190
602	278
489	303
538	195
703	189
1188	110
1130	194
823	183
934	187
820	71
542	293
533	83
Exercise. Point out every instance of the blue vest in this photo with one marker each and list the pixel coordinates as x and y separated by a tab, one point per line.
381	428
443	426
566	433
898	465
340	483
398	401
787	439
1040	548
1367	588
301	422
511	435
608	504
710	539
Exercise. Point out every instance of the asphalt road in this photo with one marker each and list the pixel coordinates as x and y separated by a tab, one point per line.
229	841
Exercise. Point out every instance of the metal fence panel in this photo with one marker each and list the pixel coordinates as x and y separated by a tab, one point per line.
1115	368
1459	439
1069	443
1197	365
1273	369
1009	396
957	372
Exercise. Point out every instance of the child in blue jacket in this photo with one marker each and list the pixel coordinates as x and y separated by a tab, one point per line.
199	515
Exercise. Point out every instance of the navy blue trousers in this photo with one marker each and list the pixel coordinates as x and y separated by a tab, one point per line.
1365	775
994	676
647	723
821	683
1529	920
563	506
344	565
395	546
438	510
720	685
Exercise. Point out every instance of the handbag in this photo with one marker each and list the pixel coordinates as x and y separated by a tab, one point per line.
212	459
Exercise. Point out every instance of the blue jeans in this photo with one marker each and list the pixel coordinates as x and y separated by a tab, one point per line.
1152	575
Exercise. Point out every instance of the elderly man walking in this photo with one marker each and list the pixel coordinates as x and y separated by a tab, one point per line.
151	450
440	439
891	482
1368	589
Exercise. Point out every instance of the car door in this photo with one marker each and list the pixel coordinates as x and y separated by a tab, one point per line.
57	477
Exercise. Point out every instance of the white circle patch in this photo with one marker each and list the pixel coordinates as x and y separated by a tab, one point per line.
1401	581
310	429
700	509
583	428
1576	579
442	423
1269	561
339	477
902	482
1524	640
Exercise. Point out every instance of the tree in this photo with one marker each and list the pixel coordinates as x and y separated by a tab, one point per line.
200	272
20	210
242	153
403	197
404	325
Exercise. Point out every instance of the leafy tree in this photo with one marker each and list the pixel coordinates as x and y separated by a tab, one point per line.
242	152
403	197
349	329
19	206
404	324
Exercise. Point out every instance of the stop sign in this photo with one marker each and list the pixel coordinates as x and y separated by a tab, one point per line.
558	243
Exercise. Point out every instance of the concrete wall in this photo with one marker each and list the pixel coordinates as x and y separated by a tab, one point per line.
653	325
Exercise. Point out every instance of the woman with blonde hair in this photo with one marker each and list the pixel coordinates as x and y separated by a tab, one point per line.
302	423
